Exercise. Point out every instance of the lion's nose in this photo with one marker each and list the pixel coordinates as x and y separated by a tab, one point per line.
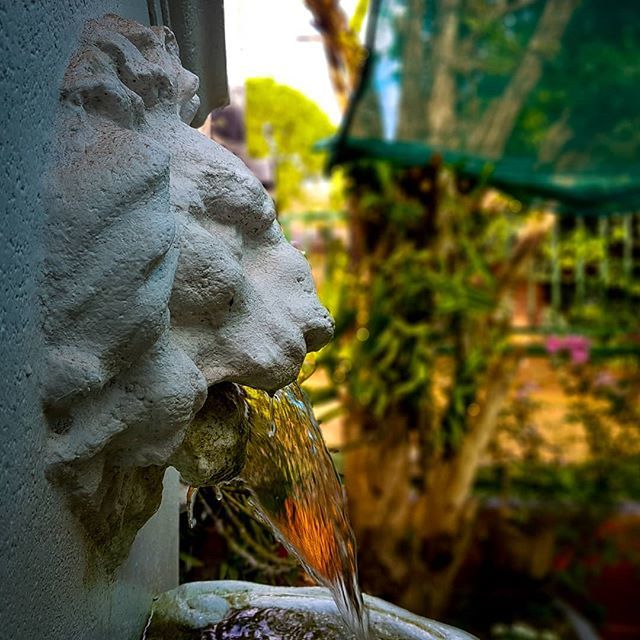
318	331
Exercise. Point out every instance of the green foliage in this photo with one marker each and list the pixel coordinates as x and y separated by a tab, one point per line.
593	264
284	124
359	14
565	124
602	402
595	485
420	307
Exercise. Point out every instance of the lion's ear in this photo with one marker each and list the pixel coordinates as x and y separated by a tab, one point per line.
92	84
72	372
124	71
144	71
168	39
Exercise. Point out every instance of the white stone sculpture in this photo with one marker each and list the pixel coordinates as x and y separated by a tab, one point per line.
167	281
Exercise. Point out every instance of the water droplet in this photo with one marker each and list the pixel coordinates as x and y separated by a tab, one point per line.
272	415
192	493
219	496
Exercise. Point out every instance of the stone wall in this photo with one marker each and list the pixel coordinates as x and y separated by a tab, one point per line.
145	278
49	587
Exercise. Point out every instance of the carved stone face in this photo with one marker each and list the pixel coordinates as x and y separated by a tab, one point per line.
243	304
166	280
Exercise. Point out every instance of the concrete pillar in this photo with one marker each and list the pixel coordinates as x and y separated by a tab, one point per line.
144	278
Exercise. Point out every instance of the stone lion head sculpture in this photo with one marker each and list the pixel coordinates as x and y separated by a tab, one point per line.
167	283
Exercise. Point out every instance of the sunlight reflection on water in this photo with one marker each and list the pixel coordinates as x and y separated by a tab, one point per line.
298	492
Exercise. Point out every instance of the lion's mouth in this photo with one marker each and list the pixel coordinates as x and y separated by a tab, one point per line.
214	447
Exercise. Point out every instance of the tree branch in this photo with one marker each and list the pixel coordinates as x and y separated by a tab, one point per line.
495	127
499	11
341	46
499	376
441	103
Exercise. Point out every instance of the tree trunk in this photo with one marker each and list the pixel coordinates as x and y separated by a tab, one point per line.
495	127
414	541
341	46
412	507
441	104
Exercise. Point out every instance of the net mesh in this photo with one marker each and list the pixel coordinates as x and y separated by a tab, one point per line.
539	97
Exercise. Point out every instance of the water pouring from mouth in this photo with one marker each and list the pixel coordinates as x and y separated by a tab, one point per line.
299	494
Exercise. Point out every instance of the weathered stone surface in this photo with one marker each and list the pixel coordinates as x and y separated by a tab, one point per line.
166	275
213	449
193	607
176	614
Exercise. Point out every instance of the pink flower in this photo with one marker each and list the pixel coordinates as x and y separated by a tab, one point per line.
578	347
553	344
579	356
577	342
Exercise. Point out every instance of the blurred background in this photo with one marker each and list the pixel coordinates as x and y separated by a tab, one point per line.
463	176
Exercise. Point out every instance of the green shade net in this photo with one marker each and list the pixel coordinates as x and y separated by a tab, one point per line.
540	97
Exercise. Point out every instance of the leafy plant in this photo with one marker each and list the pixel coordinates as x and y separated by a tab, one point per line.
284	124
420	363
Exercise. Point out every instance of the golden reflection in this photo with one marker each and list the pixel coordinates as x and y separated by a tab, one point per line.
291	474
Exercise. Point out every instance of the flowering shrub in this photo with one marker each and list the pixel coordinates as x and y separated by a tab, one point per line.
575	346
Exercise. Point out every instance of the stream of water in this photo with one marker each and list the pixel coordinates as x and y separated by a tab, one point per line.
298	492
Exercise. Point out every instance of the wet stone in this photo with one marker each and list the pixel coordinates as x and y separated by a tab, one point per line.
280	624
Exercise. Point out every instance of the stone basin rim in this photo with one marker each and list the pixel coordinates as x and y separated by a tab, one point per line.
197	605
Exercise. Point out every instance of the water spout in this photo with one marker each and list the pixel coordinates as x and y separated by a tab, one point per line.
299	494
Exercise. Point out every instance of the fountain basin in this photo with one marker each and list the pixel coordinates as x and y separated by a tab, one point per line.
202	609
